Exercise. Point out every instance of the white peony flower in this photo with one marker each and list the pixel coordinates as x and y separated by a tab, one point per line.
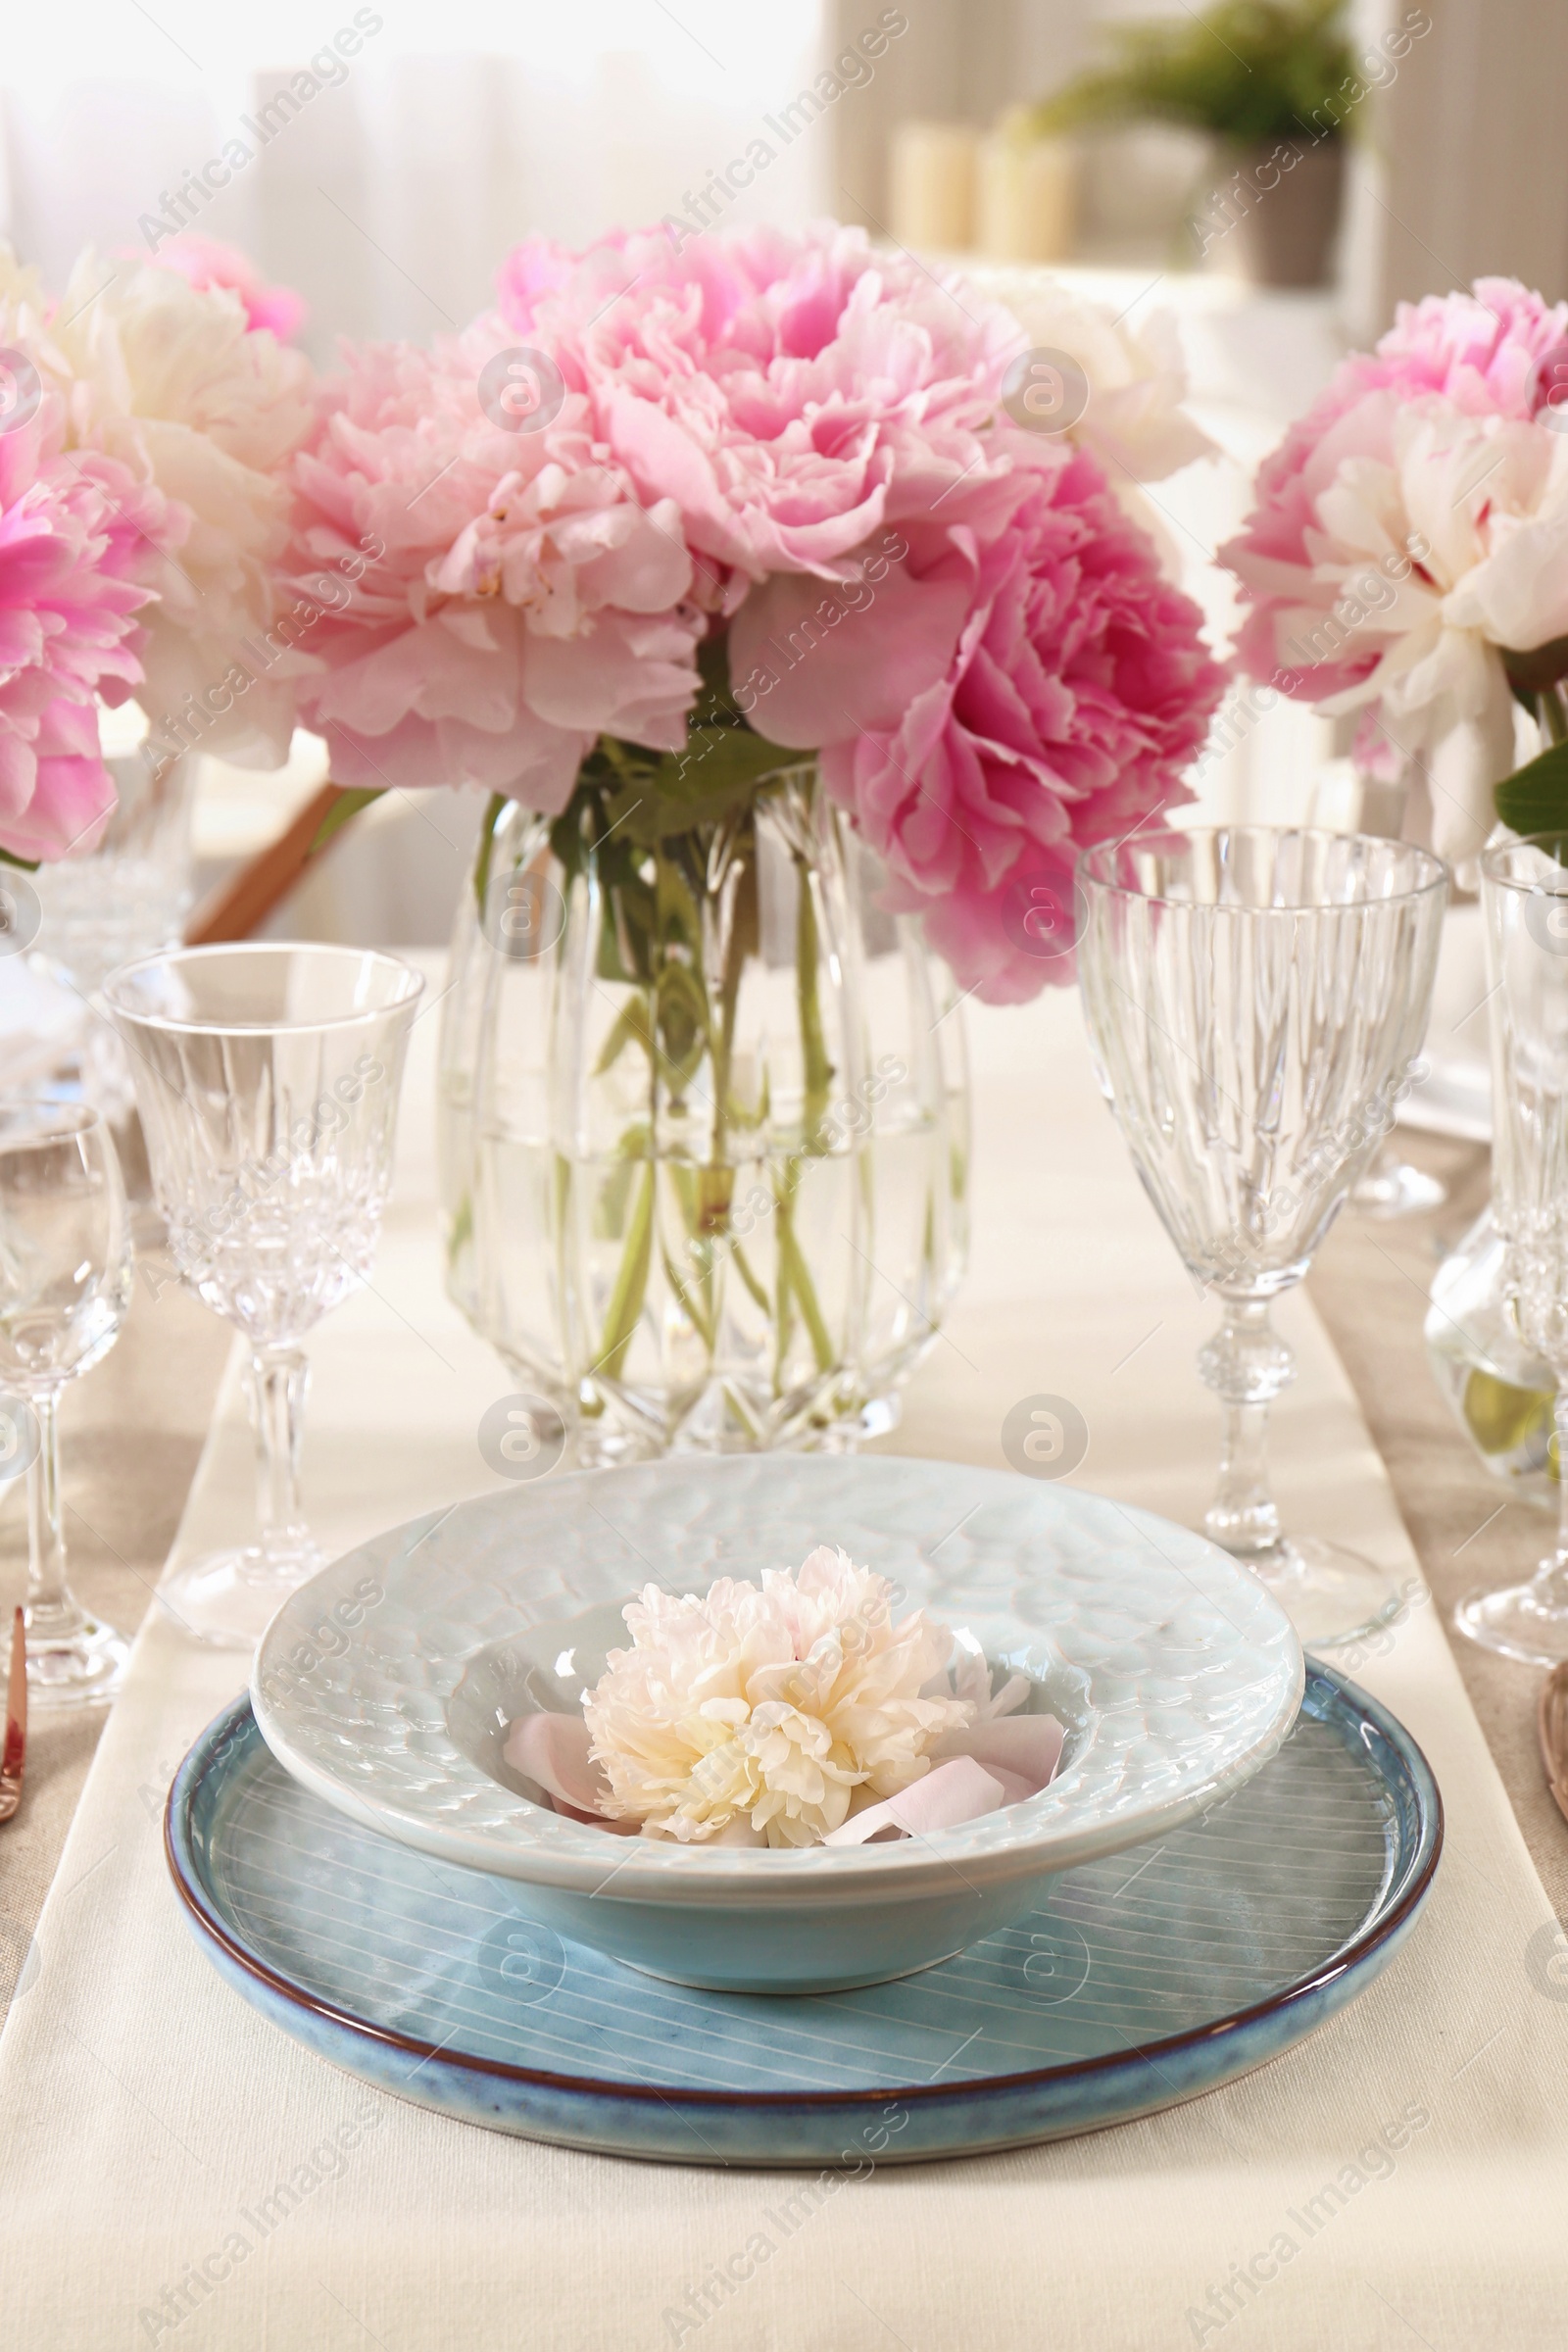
770	1715
1137	376
1135	421
166	378
1427	563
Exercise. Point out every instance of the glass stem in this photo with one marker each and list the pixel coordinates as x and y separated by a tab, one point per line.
280	1376
1247	1364
52	1611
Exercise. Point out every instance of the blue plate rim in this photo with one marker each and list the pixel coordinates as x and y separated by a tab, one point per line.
1337	1696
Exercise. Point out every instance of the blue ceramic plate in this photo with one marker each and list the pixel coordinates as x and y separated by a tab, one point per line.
1140	1979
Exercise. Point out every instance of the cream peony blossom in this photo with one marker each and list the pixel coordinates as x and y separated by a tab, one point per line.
1137	375
166	378
1423	564
1135	421
770	1715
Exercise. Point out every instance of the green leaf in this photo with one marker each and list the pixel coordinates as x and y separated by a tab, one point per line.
350	801
1539	669
1535	797
720	770
25	865
649	797
630	1022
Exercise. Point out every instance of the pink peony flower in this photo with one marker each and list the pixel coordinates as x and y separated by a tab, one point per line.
79	536
1480	351
206	263
791	394
494	599
1025	682
166	379
1408	528
1483	350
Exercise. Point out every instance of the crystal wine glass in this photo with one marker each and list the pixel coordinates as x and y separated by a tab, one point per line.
125	896
1254	997
1524	899
268	1078
65	1287
1389	1186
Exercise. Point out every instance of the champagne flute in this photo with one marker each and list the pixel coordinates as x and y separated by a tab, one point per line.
1255	995
65	1287
266	1077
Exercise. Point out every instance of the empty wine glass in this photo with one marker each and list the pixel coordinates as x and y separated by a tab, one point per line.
126	894
1389	1186
1253	997
268	1078
65	1287
1524	899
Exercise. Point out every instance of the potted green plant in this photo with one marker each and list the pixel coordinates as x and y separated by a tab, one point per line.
1275	84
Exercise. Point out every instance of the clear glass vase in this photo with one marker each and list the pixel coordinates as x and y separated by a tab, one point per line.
1500	1394
704	1127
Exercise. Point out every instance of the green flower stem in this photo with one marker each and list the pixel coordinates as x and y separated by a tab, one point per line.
691	1296
749	1278
659	920
497	802
817	1068
716	1184
631	1282
794	1275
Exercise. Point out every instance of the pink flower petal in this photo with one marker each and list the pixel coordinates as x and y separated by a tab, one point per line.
553	1750
950	1793
1025	1746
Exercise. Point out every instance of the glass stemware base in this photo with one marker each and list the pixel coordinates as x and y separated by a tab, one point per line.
1393	1188
1330	1593
1520	1622
228	1599
73	1658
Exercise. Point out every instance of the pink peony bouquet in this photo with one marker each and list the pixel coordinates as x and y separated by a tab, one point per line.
1408	556
147	420
688	508
677	508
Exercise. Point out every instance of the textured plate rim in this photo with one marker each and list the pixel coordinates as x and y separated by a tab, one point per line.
1395	1909
567	1856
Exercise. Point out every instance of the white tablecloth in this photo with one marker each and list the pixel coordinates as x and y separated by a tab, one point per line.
1399	2179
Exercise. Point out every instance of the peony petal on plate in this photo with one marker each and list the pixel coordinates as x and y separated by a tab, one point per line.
954	1793
552	1749
1026	1746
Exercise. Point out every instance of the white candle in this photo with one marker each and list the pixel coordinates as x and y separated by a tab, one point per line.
1025	199
932	174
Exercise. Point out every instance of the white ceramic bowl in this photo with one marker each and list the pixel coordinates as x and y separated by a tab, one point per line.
387	1684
